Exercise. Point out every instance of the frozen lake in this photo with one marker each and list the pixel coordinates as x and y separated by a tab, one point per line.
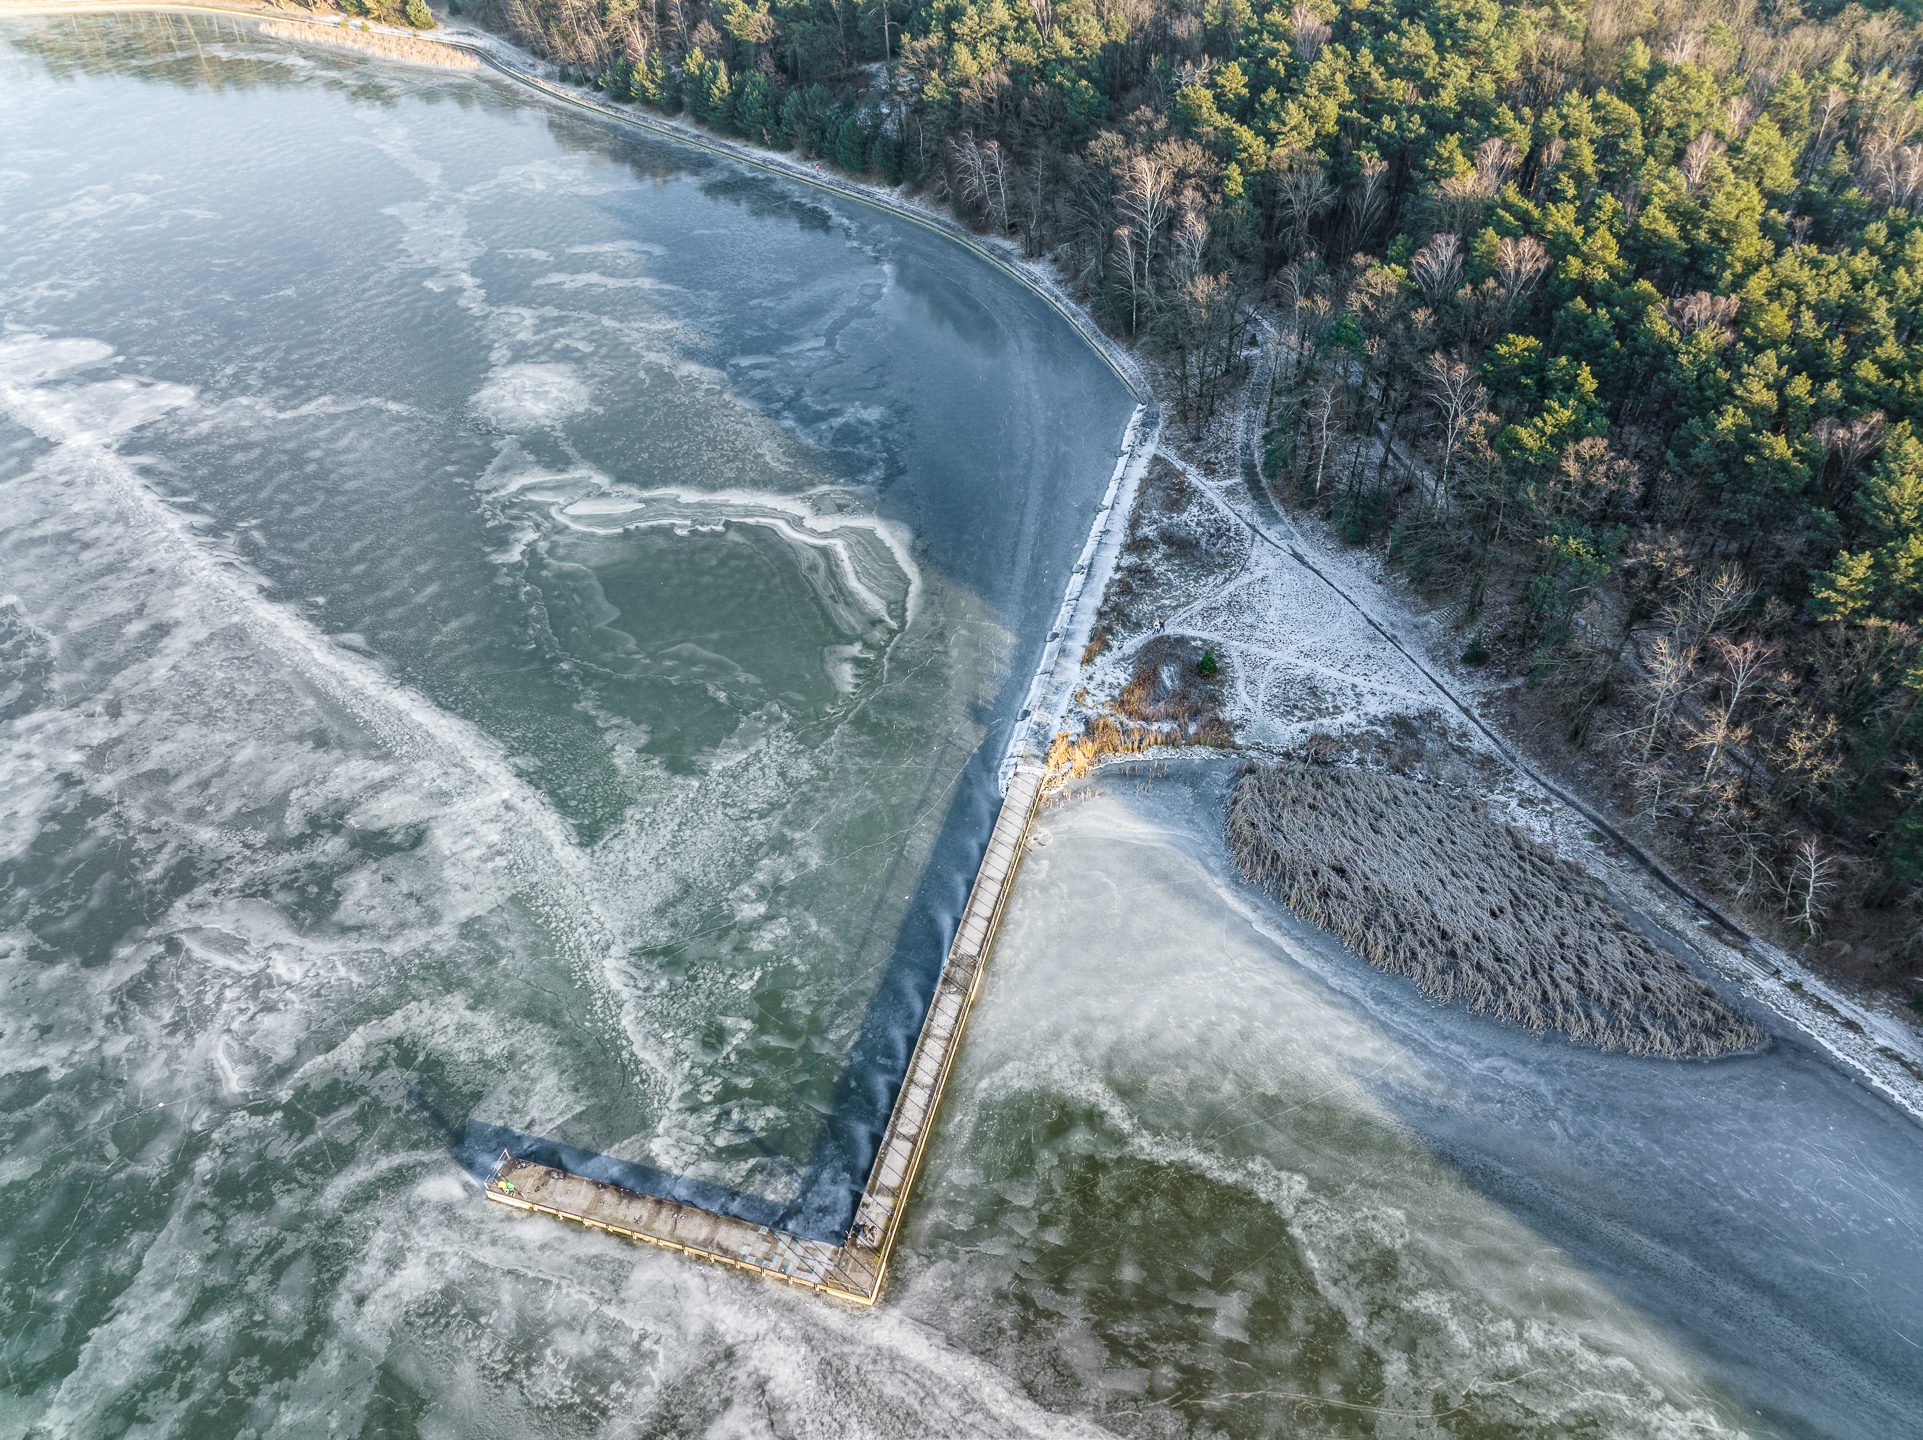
1214	1173
505	623
496	611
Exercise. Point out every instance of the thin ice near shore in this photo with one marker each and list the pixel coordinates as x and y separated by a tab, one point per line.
1422	883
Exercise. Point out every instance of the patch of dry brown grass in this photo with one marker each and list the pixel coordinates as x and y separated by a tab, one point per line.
1422	882
1167	701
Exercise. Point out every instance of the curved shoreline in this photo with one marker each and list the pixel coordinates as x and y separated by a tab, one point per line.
1787	988
1049	690
769	161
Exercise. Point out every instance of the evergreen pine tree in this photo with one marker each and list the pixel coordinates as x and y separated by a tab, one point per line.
851	144
805	119
708	90
884	157
757	108
652	85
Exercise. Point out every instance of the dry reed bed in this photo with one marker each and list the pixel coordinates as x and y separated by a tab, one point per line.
1423	883
395	47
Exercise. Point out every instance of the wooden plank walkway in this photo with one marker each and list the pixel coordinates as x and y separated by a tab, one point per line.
855	1269
525	1185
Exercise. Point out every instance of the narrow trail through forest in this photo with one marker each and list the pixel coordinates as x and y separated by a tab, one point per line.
1768	970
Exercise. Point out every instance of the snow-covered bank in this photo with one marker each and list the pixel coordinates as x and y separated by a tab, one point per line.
1317	647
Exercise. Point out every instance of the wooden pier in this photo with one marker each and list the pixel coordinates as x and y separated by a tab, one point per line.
854	1269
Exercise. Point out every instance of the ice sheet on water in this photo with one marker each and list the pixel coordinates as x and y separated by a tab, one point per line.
194	603
1266	1173
289	859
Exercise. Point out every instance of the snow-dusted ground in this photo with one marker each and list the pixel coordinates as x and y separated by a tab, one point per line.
1318	638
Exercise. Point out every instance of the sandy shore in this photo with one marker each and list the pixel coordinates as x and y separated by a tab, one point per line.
409	48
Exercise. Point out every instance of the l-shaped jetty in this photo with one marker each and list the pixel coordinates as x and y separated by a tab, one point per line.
854	1269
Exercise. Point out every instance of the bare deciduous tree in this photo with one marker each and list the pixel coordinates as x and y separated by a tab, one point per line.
1143	204
995	171
1303	195
1367	198
1682	48
1308	32
1323	411
1437	267
1520	263
1696	159
1668	675
1745	664
970	177
1895	174
1552	154
982	173
1495	159
1124	249
1850	442
1707	605
1191	239
1452	387
1808	885
1704	311
1743	110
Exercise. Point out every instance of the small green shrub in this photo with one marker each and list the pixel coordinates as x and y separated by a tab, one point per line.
1206	665
1476	653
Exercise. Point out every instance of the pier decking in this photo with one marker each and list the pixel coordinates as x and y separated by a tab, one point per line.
853	1270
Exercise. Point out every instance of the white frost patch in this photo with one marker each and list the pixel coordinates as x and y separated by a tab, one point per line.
27	359
524	397
861	566
594	278
839	663
619	247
